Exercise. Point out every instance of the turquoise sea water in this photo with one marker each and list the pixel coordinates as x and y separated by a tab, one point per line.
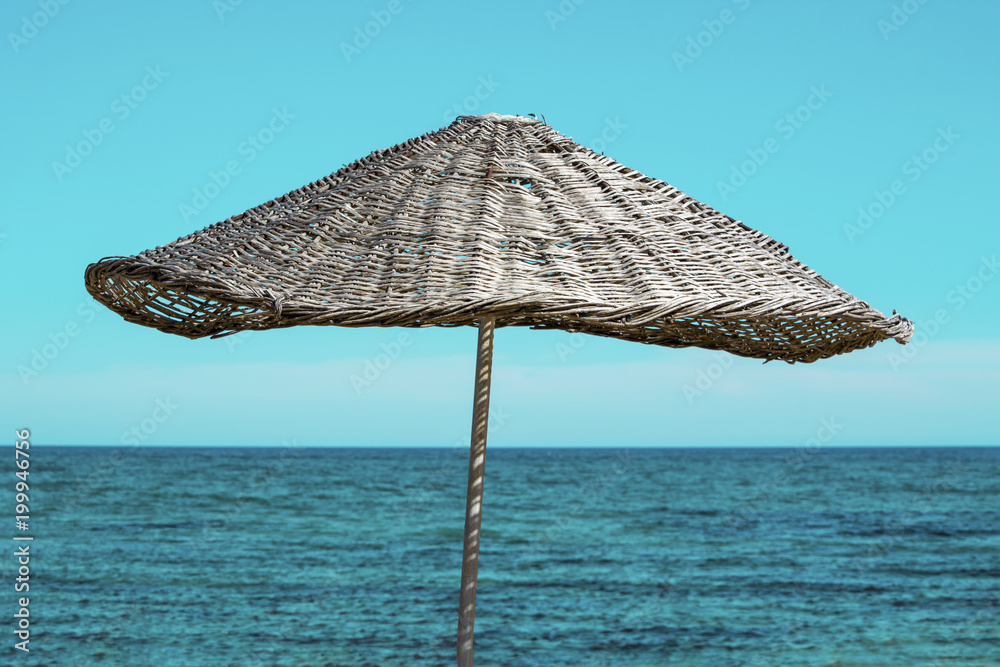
296	556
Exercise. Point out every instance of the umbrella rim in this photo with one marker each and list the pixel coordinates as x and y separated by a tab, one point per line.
263	309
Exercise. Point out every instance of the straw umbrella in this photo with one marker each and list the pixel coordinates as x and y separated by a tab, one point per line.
494	221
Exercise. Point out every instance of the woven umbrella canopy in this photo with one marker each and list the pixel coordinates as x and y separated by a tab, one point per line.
494	221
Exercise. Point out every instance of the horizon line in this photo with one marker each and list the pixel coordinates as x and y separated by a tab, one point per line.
511	446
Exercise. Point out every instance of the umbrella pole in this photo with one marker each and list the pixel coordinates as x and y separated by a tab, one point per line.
474	493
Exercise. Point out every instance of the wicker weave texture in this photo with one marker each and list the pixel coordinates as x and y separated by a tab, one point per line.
496	216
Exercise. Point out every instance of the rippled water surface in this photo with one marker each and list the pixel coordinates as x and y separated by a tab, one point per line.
179	556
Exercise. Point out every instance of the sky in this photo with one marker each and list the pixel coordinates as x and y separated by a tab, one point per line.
862	134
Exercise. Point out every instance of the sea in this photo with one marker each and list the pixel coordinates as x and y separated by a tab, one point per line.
623	555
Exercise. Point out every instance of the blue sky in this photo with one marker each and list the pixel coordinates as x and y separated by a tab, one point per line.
863	135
